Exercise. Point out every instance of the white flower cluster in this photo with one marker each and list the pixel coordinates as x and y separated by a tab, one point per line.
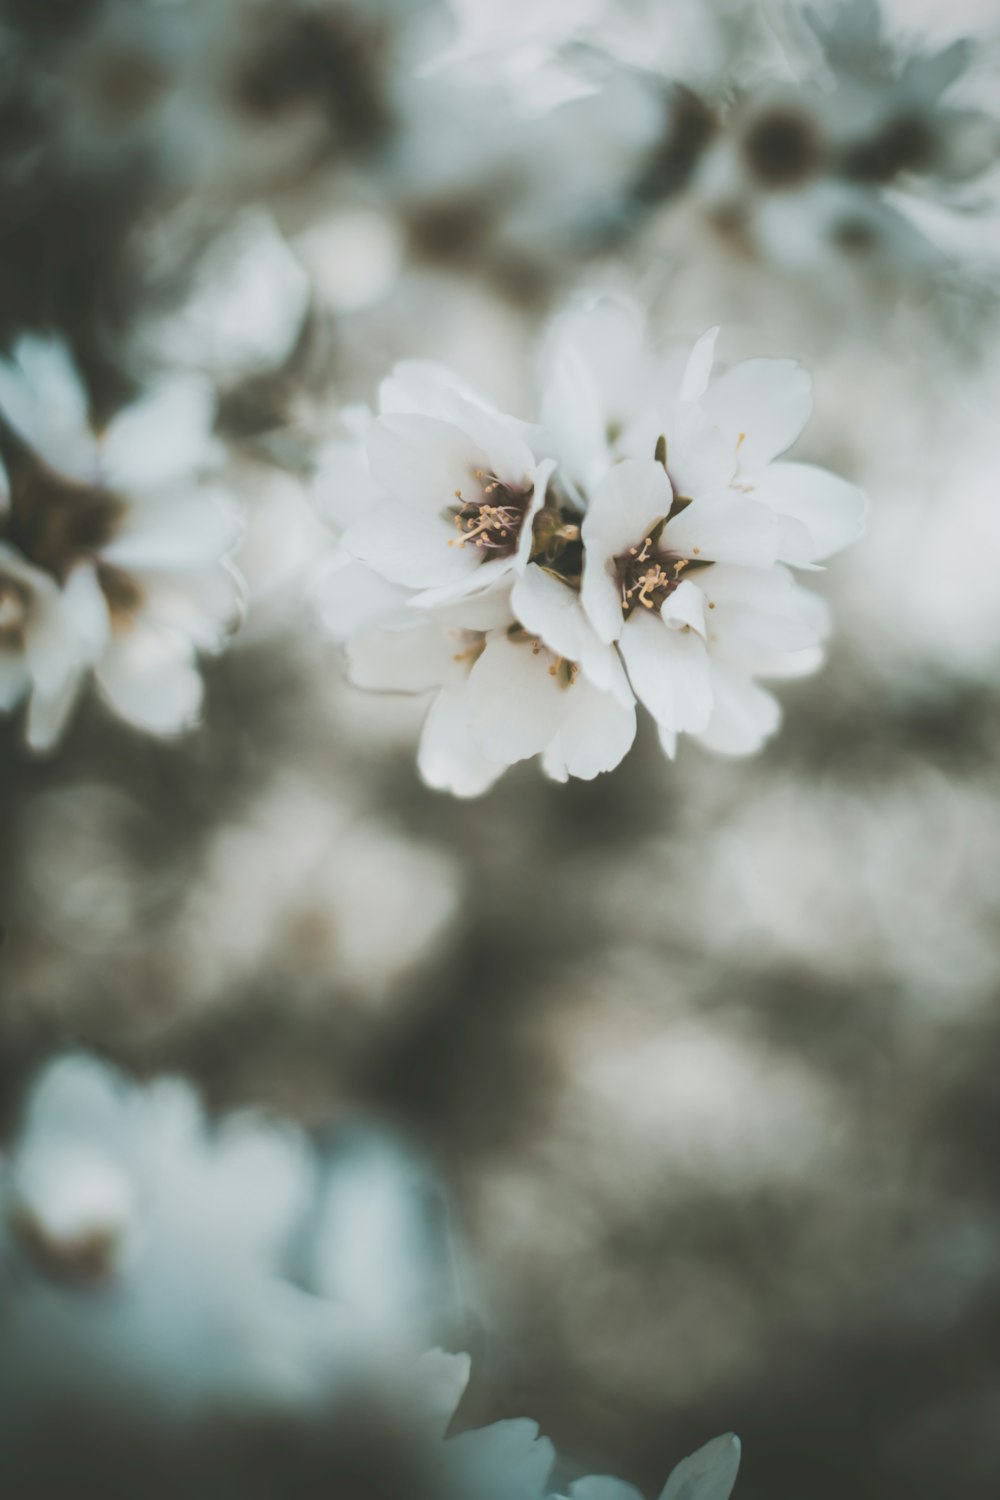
114	547
635	545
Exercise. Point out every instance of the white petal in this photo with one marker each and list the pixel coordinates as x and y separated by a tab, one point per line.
735	530
413	660
422	461
762	405
574	421
183	528
829	512
449	758
743	715
150	678
14	679
343	486
668	670
352	597
595	735
412	547
708	1474
423	387
631	499
161	439
698	370
599	1487
516	702
550	609
633	496
48	712
204	604
685	606
42	396
510	1449
86	610
761	610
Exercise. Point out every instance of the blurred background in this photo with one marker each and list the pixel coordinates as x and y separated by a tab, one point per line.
696	1066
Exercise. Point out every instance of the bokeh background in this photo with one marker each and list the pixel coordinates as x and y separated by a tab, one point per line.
705	1056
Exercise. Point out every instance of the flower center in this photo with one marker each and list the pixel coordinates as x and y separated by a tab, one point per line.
560	667
648	574
492	522
13	612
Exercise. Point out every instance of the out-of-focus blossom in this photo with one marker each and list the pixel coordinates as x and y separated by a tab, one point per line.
146	1258
138	1250
644	556
133	540
821	168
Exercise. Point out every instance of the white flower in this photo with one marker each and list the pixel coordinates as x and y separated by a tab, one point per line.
146	1255
687	519
502	693
460	488
822	169
123	525
646	557
38	649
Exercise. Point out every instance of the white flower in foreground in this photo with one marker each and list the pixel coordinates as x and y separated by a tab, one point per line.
501	693
131	538
687	519
460	485
648	556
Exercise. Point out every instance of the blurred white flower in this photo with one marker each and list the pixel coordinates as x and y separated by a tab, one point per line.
821	168
146	1255
38	648
139	1249
130	535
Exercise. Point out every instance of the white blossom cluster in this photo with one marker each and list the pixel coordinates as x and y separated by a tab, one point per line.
635	546
114	547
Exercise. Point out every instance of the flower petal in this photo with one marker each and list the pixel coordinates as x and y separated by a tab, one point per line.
827	512
698	370
182	528
762	405
410	546
515	701
14	679
709	1474
595	735
48	713
668	670
42	395
413	660
161	439
630	500
352	597
550	609
449	758
150	678
737	530
744	715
